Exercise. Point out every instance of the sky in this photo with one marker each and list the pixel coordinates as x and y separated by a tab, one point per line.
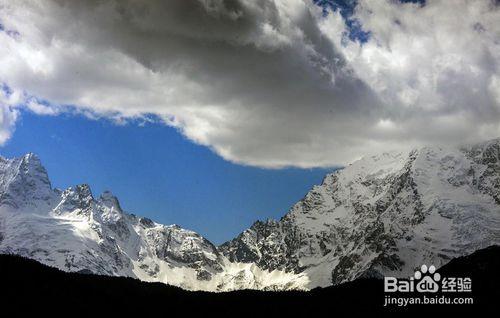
156	172
270	87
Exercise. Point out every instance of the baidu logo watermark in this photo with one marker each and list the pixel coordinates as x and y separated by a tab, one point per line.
427	281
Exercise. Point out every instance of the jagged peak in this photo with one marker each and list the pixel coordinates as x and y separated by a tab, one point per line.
110	200
79	196
31	157
261	224
83	190
146	222
31	160
30	163
23	180
108	196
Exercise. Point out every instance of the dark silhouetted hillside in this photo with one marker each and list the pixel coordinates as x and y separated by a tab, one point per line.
29	285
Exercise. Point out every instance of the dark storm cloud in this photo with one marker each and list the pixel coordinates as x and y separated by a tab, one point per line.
267	83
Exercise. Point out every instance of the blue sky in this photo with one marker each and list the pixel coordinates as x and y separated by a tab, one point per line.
156	172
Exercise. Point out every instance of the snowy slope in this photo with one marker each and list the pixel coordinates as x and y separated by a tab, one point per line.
384	214
74	231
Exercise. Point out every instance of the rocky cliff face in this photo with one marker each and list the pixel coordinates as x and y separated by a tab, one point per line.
384	214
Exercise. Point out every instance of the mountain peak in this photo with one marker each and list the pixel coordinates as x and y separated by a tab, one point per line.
30	164
78	197
382	213
31	157
110	201
84	190
107	195
23	180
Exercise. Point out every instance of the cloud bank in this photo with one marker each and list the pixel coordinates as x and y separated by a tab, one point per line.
261	82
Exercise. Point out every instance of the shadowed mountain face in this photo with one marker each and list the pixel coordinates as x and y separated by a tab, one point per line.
382	215
47	289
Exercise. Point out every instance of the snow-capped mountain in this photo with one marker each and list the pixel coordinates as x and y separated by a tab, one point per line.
384	214
74	231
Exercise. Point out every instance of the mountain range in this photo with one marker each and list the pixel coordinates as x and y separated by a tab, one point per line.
381	215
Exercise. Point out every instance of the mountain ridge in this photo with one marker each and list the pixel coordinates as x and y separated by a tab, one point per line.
76	231
382	215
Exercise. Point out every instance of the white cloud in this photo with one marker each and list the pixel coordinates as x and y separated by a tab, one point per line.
266	83
8	114
8	119
41	109
434	66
